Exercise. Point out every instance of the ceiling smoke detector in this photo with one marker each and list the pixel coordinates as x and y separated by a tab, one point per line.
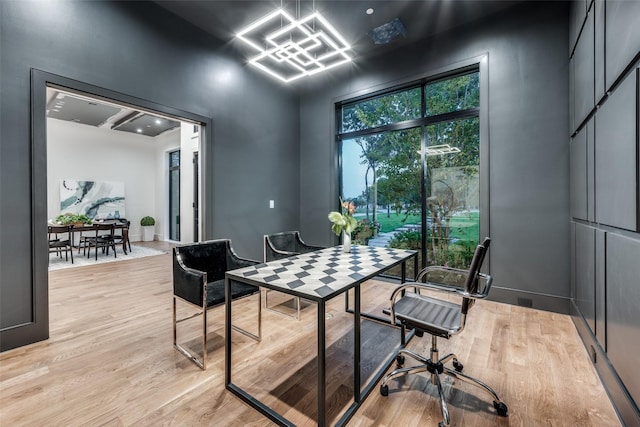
385	33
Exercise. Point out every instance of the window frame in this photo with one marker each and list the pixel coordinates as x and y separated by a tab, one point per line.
477	64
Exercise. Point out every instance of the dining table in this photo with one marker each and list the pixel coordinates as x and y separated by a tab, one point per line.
80	228
319	277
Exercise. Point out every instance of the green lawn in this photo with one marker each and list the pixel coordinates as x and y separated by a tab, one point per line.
466	226
394	221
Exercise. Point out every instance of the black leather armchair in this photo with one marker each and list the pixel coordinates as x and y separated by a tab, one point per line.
284	245
440	318
198	279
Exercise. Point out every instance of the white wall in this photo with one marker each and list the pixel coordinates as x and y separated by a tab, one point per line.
187	142
165	143
76	151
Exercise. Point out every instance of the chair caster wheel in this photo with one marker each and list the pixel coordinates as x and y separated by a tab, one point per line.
501	408
400	360
384	390
458	366
441	424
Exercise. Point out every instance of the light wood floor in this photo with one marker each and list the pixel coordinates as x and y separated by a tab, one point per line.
110	362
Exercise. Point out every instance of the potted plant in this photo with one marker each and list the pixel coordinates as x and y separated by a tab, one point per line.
147	224
73	219
344	223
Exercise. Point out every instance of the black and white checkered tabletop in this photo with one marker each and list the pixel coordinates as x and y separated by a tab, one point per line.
325	272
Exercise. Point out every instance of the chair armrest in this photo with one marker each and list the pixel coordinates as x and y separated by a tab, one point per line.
446	276
310	248
234	261
442	287
279	254
188	283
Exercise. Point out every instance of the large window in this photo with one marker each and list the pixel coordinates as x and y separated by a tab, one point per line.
410	160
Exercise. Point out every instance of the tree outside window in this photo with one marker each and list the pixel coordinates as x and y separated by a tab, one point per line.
431	205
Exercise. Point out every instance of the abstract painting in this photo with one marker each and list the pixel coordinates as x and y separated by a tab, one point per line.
96	199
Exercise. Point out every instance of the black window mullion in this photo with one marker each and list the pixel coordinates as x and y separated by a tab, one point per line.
451	116
423	178
408	124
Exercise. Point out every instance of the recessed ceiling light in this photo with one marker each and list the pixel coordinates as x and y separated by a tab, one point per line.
158	121
370	11
139	130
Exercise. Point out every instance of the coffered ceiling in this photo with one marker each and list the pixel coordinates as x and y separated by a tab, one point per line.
85	110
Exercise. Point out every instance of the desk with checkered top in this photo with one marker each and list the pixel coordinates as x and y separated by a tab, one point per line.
317	276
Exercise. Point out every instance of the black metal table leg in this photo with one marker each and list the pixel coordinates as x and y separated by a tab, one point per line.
321	365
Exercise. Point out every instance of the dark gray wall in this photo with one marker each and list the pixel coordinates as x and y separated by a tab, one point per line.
140	49
528	123
605	186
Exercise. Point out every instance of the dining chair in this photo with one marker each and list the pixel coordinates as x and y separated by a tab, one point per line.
100	241
121	233
283	245
58	245
440	317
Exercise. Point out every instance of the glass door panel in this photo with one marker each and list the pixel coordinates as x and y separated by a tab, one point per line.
174	195
381	174
453	192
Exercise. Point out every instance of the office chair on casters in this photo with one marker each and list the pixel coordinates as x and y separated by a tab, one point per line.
440	318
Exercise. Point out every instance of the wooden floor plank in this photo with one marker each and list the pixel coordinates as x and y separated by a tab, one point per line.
109	362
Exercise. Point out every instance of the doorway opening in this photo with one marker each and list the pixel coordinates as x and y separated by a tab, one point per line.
108	160
41	82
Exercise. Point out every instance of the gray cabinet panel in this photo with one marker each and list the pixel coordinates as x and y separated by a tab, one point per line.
600	290
623	302
622	36
577	11
572	96
573	259
584	61
591	173
598	10
585	273
578	175
617	158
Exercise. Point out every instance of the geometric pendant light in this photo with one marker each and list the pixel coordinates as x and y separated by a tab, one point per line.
288	48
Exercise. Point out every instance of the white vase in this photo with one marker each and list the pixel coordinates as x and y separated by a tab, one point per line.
148	232
346	242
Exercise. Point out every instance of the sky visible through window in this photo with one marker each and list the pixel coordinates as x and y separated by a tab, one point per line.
352	176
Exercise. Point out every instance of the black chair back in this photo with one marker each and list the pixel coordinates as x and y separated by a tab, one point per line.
199	256
285	244
280	245
472	281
